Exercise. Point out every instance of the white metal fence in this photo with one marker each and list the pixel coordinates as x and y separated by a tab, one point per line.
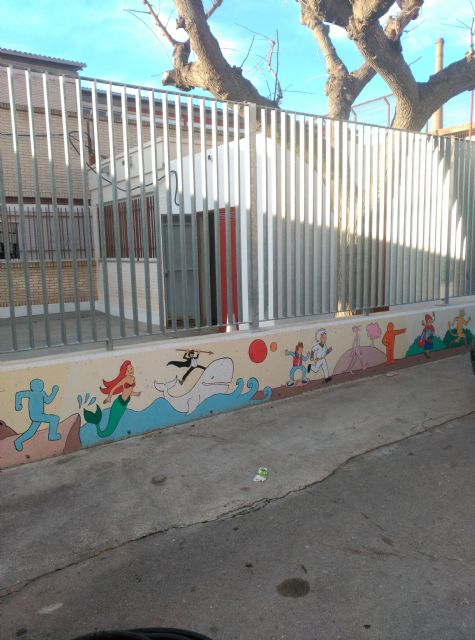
207	215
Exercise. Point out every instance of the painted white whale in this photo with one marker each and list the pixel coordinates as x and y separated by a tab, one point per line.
216	378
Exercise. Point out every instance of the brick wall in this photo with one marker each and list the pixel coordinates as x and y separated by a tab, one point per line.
34	278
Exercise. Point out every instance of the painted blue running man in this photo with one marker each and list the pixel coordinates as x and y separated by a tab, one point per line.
36	406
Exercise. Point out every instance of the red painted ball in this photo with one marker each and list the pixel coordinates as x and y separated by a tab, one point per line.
258	351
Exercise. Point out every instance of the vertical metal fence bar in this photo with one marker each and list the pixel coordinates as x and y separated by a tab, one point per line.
229	320
471	220
398	227
263	220
457	217
146	232
441	221
335	222
251	182
86	213
352	274
373	302
452	199
181	213
144	215
407	177
38	210
433	217
100	214
312	226
359	218
419	215
327	249
381	240
171	289
426	216
194	228
115	210
464	276
154	151
205	209
291	224
129	210
281	246
389	177
343	249
401	262
238	207
413	211
217	216
462	221
368	216
301	229
72	235
8	265
21	207
450	155
272	217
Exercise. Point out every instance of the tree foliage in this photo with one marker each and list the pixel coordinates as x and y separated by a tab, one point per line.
372	25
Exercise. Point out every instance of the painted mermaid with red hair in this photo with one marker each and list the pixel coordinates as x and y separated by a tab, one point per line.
122	386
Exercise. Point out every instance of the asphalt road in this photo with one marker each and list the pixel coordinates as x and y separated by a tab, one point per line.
382	548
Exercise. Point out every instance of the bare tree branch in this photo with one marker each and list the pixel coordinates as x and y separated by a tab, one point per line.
211	71
343	87
159	23
212	9
445	84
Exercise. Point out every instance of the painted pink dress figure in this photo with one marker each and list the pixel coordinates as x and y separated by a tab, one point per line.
356	354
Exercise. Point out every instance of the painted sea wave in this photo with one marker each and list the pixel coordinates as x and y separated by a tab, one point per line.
160	414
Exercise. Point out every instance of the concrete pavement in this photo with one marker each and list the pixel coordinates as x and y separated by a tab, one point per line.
61	514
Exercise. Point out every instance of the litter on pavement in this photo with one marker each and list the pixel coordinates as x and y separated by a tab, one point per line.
262	474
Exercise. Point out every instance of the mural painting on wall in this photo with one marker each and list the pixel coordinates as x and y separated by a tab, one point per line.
121	386
426	341
458	333
190	361
37	398
197	384
389	340
59	436
360	357
298	360
209	388
318	355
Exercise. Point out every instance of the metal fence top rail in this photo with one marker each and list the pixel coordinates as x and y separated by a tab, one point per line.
198	96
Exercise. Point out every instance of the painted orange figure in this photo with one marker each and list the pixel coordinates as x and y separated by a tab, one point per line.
389	339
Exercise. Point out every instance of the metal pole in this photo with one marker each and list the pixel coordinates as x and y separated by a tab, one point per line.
38	210
253	249
21	207
129	211
471	116
6	246
449	219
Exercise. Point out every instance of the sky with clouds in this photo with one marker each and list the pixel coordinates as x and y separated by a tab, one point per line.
116	45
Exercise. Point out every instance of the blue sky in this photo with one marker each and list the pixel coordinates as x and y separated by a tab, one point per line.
116	46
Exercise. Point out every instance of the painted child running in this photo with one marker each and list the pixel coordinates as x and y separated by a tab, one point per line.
37	399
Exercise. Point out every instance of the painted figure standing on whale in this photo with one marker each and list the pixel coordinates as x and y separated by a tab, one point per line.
37	398
215	379
190	361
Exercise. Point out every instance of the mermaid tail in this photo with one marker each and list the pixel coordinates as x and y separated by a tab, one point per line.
117	411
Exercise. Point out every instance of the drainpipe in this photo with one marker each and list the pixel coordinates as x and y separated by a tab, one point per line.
439	65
